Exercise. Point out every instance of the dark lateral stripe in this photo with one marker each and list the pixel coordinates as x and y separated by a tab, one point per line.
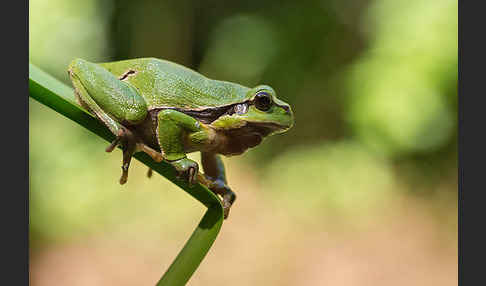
207	115
210	114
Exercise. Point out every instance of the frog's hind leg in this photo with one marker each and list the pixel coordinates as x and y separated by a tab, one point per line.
112	101
129	144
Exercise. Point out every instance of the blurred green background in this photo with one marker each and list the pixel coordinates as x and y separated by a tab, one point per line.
362	190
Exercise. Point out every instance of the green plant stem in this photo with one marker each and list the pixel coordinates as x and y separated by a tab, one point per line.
56	95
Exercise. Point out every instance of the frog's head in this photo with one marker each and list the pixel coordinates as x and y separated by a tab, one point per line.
264	111
261	109
246	123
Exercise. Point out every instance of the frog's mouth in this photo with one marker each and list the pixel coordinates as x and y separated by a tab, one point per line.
264	129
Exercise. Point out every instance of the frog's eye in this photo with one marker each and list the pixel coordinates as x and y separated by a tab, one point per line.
263	101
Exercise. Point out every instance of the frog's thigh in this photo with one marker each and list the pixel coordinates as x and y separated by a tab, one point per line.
87	102
108	97
173	126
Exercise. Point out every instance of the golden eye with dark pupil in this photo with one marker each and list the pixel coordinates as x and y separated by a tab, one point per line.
263	101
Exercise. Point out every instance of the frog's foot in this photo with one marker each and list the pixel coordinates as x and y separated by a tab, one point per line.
219	187
186	169
130	144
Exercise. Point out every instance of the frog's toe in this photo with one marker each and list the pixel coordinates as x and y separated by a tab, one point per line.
228	199
192	175
126	139
124	176
130	144
127	158
219	187
113	144
187	170
123	137
226	210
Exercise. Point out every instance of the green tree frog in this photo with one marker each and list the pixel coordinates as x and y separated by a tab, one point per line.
167	110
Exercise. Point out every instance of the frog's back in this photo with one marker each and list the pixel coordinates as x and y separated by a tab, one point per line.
166	84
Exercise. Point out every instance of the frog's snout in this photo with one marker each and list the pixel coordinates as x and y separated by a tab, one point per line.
289	122
287	109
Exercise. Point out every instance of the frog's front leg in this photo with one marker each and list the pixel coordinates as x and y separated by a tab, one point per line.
112	101
215	173
174	130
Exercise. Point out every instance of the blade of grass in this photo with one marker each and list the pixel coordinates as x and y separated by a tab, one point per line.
58	96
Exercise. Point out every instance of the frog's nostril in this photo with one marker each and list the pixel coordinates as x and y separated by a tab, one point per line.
286	108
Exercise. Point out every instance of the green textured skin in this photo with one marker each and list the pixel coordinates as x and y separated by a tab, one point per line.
166	84
117	98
